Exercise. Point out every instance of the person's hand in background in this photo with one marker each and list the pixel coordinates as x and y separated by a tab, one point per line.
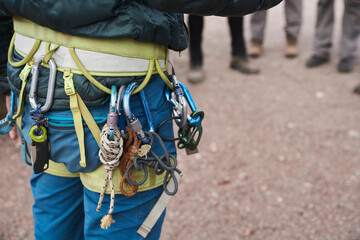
14	135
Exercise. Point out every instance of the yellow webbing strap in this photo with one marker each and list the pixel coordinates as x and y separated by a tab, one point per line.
59	169
93	127
94	180
18	122
49	52
79	111
147	77
74	107
26	58
163	76
24	78
125	47
86	73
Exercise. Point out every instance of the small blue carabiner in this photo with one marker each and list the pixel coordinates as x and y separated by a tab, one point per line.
189	99
147	111
112	115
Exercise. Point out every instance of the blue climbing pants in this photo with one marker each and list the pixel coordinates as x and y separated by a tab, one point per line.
65	210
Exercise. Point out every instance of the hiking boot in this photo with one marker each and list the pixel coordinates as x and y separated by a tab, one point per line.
196	75
242	65
346	65
315	61
292	49
357	90
255	49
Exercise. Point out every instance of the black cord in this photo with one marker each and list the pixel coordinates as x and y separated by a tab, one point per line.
161	124
164	163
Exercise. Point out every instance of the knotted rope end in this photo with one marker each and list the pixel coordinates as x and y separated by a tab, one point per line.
106	221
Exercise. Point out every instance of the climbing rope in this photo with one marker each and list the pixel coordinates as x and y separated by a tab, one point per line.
130	152
109	154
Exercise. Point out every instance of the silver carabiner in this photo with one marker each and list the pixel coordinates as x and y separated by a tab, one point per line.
34	84
178	101
132	121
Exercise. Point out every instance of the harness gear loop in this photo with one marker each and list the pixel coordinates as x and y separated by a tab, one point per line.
86	73
25	59
147	77
163	76
109	154
49	52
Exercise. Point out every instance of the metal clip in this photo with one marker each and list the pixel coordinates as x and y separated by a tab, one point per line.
177	100
112	116
198	117
132	120
34	84
120	111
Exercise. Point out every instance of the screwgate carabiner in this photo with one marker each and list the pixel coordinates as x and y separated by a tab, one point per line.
132	121
34	84
177	100
120	111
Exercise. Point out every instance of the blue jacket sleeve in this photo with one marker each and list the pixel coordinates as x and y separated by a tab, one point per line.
213	7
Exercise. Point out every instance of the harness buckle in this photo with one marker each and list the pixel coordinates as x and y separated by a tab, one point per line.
69	86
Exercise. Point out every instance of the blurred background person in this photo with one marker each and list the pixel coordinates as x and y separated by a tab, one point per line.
5	37
293	15
239	59
324	30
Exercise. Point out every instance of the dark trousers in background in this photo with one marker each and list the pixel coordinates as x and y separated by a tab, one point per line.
196	25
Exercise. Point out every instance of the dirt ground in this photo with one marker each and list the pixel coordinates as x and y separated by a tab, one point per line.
280	154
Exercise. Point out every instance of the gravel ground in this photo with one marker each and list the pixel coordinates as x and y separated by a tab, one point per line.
280	155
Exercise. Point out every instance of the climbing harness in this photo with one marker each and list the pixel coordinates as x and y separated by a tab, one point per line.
40	151
124	142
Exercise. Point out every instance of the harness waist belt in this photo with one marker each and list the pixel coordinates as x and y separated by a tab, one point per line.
92	61
126	47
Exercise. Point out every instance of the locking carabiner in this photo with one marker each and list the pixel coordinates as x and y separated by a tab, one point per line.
132	121
7	123
120	111
177	100
34	84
